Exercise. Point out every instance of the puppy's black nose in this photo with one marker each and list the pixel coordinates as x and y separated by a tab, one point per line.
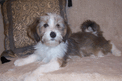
53	34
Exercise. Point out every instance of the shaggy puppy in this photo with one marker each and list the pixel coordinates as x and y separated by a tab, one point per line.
56	43
51	33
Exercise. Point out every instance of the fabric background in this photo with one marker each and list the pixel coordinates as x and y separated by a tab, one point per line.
19	14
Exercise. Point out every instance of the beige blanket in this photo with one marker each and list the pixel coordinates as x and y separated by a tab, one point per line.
108	68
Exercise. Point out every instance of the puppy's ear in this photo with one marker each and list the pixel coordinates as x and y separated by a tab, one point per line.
68	32
32	30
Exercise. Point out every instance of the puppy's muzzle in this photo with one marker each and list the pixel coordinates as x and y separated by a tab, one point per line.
52	34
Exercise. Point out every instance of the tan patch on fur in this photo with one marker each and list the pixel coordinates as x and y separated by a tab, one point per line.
32	30
61	62
67	32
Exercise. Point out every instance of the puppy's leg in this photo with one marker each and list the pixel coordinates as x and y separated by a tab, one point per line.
115	51
98	53
30	59
53	65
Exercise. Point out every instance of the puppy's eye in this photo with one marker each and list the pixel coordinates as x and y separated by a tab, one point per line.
58	25
45	25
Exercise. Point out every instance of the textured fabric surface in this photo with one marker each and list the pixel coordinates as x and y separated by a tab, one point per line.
18	14
108	68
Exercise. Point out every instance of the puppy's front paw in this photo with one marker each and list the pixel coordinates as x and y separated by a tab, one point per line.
19	62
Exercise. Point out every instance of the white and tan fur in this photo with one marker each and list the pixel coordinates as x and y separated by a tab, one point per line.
54	48
51	47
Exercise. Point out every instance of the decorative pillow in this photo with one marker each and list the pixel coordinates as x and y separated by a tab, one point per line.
18	14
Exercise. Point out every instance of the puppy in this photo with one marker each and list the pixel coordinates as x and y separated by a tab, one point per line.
51	34
55	43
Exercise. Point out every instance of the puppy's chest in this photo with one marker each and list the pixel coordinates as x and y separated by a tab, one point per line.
47	53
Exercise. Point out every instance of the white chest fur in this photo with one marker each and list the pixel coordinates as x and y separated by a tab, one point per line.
46	53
